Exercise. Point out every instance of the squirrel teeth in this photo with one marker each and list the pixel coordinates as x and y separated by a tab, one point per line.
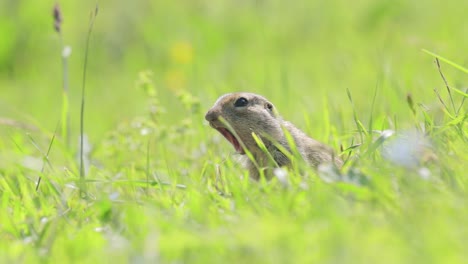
232	139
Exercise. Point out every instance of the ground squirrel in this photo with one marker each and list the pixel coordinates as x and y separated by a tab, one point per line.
238	115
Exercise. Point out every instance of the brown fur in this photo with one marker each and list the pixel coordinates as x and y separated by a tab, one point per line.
259	116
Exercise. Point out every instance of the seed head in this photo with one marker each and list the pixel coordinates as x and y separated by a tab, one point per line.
57	13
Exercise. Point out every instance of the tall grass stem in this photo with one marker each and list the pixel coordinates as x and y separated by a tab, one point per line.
83	90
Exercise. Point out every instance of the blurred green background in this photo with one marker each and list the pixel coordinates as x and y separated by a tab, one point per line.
296	53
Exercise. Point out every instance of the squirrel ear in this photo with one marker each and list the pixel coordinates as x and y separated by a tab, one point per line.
270	108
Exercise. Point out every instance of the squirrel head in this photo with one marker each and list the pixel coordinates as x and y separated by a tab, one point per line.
237	115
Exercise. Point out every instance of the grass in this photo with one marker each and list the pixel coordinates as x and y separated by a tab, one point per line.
162	186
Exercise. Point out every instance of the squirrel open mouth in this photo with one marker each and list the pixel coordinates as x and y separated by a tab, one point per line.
231	138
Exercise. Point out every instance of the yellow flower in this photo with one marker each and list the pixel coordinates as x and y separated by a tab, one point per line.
181	52
175	80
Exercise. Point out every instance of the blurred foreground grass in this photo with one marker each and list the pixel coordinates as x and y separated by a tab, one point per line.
162	186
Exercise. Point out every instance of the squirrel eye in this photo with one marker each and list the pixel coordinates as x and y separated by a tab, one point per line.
269	106
241	102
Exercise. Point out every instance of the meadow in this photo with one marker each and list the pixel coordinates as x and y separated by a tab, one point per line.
382	82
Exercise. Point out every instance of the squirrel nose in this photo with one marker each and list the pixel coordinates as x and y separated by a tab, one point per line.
211	116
